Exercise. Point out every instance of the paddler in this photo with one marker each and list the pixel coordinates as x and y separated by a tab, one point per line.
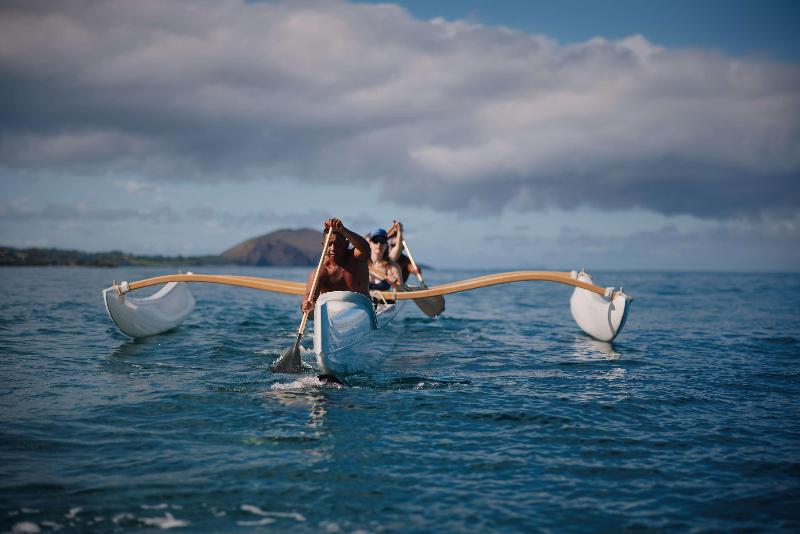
344	268
407	267
384	270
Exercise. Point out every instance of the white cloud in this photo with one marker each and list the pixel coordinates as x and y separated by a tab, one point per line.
468	117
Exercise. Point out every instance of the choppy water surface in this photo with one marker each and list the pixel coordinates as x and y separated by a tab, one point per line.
500	415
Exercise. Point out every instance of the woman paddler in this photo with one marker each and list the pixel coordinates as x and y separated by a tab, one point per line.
384	270
407	267
343	269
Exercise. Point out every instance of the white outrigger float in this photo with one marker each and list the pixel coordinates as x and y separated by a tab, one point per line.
350	334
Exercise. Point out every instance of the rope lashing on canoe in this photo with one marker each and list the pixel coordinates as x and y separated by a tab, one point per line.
298	288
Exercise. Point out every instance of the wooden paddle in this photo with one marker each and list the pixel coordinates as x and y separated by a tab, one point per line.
433	306
430	306
290	361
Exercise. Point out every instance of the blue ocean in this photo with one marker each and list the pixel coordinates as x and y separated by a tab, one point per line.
501	415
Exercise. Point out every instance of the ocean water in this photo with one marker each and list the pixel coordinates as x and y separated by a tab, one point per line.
499	416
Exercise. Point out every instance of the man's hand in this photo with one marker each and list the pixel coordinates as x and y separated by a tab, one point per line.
335	224
307	306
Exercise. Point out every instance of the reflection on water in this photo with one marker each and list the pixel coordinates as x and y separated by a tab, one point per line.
306	392
134	348
586	348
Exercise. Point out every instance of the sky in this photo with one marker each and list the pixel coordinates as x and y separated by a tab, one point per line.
505	135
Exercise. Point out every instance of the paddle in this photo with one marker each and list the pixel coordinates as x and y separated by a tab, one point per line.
290	361
433	306
430	306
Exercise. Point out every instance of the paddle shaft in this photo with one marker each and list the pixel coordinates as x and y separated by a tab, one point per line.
291	362
314	285
416	267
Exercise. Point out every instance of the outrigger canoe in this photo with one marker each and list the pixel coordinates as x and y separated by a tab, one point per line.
350	334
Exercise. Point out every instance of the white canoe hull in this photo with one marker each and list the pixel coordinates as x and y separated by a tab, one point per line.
148	316
349	336
601	318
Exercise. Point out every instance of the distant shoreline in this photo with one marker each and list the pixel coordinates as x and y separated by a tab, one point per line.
54	257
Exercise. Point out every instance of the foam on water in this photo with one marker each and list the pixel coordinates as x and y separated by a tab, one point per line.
303	383
26	527
258	511
168	521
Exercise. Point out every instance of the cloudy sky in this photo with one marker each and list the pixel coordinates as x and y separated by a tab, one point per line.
641	135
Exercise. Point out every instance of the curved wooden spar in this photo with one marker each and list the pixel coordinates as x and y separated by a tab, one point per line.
264	284
298	288
502	278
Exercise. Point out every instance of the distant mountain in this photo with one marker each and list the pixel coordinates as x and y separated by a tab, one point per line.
282	248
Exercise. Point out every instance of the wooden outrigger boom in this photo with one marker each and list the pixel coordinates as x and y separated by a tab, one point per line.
298	288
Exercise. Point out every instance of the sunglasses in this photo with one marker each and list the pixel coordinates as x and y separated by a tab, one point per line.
381	240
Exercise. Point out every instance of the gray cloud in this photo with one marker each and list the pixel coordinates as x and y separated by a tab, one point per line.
92	213
83	212
271	219
470	118
760	243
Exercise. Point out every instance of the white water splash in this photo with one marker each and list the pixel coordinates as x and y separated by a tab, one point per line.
26	527
258	511
304	351
122	517
304	382
260	522
73	512
168	521
162	506
330	527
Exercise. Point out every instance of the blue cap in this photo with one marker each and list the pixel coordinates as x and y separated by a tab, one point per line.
378	232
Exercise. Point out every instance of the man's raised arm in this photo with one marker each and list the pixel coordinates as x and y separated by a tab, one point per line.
359	243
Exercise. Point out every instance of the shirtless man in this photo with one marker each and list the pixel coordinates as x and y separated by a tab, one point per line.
343	269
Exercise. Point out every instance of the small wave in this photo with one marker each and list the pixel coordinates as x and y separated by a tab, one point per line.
780	340
258	523
26	527
521	417
420	383
168	521
275	438
264	513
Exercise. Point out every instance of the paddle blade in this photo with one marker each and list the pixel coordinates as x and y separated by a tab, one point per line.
290	361
430	306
